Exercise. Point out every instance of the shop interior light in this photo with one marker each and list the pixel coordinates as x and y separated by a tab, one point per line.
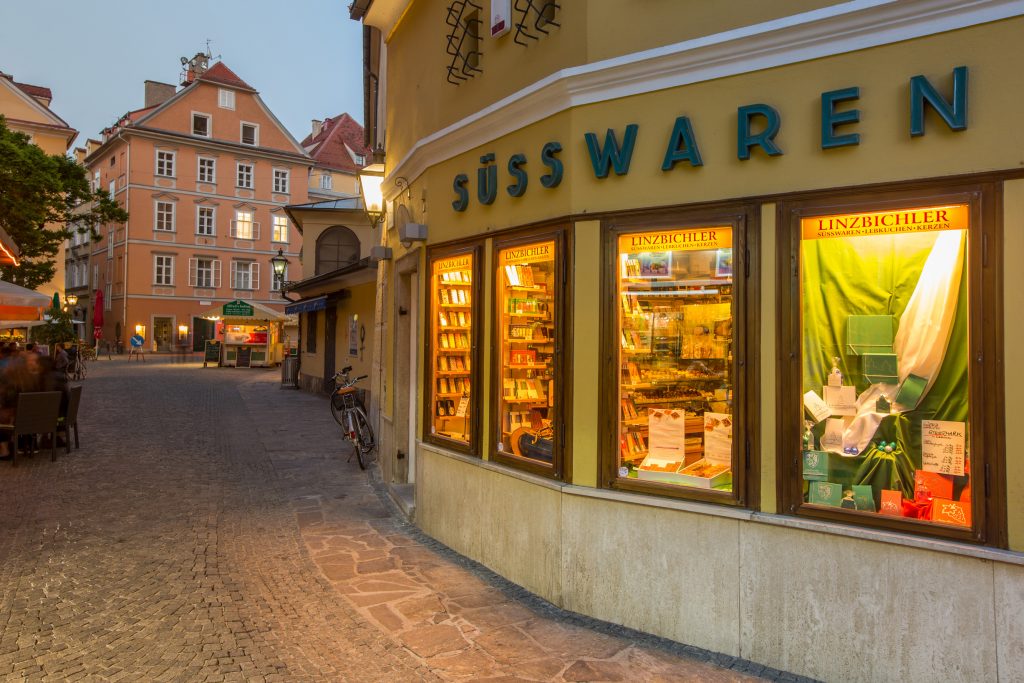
140	329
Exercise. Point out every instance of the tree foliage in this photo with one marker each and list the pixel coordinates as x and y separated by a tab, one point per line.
43	198
57	329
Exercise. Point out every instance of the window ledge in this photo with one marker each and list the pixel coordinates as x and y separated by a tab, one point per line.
857	532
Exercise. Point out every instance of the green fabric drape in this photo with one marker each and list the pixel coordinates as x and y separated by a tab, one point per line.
876	276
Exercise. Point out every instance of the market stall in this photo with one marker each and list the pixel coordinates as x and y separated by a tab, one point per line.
249	333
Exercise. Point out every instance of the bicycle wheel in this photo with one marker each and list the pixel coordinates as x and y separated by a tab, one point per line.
365	432
338	410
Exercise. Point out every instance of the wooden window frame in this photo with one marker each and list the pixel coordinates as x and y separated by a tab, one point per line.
562	234
474	247
745	222
985	383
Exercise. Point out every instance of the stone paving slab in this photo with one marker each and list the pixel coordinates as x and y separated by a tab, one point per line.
211	528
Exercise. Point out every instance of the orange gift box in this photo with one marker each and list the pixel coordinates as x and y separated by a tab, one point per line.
928	485
892	503
951	512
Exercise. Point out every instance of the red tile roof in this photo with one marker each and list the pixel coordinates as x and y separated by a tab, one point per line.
220	73
330	146
35	90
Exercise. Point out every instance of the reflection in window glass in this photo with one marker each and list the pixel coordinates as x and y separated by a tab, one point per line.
884	312
675	357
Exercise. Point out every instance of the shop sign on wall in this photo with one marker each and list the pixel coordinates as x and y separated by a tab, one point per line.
238	308
757	126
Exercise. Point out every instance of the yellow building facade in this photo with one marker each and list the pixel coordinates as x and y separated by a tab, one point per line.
723	293
26	109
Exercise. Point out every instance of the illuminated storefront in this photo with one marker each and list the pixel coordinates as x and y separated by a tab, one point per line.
720	353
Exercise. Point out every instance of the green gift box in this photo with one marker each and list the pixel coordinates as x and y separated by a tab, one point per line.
869	333
879	367
815	465
825	493
864	497
911	391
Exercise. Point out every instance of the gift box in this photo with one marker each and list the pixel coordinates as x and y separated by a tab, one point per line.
705	474
660	469
826	466
864	497
892	503
825	493
879	367
815	465
928	485
911	391
951	512
869	334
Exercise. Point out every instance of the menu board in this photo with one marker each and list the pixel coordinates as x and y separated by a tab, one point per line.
244	357
942	446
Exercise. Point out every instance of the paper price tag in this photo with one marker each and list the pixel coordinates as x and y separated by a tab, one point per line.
942	446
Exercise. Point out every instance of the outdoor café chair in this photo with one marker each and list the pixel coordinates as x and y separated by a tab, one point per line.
37	412
70	421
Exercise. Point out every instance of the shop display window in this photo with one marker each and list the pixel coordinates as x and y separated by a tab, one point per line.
675	339
451	364
526	301
885	336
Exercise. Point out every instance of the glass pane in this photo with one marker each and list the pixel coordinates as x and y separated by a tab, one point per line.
884	313
452	335
526	306
675	357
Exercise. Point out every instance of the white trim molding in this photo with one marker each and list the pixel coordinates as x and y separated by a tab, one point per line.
838	29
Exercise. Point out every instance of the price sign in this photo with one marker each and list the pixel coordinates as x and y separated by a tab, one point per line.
942	446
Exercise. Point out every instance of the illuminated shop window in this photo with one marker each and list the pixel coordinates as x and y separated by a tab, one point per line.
884	320
452	364
675	347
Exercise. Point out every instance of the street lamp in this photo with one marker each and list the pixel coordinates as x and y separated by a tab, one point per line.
280	265
71	299
371	178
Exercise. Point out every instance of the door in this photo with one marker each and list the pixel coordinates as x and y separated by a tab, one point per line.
202	329
163	329
330	336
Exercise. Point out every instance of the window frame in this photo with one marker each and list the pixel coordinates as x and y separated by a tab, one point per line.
326	181
169	267
255	135
156	215
158	162
221	99
273	228
209	124
254	279
213	170
215	272
743	218
475	248
254	233
213	220
985	351
561	233
285	174
252	175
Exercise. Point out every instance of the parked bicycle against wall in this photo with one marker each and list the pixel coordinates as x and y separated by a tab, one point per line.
350	413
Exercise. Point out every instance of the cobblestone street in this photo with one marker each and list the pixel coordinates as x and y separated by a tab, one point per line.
211	529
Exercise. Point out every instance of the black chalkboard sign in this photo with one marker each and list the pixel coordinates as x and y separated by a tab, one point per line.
244	357
212	352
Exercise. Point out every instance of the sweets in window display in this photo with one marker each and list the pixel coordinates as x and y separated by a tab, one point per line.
675	351
526	309
451	330
885	340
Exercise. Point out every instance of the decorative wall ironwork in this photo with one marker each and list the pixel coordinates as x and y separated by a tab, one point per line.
463	40
535	15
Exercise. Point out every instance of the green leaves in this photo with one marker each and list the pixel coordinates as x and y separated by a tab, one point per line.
43	198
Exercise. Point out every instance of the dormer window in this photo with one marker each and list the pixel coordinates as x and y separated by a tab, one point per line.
201	125
250	134
226	99
360	160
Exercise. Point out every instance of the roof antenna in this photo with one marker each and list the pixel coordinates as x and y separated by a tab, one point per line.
209	55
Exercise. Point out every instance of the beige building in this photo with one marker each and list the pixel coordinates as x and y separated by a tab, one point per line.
338	149
715	315
26	109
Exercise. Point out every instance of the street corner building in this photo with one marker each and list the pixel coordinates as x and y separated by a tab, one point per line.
694	319
205	171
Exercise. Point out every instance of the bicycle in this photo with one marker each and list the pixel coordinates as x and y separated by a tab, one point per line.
77	368
350	413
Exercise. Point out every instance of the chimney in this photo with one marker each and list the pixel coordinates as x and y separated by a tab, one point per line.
318	126
158	93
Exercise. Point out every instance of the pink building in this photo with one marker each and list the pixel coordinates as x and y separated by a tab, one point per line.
204	171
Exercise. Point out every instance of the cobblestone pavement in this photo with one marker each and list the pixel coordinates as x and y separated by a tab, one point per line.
211	529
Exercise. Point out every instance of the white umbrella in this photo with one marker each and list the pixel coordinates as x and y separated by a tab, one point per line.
13	295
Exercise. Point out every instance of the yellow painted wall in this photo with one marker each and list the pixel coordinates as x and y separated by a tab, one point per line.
1013	247
361	303
586	353
590	31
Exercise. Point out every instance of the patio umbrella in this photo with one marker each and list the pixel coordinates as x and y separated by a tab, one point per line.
13	295
56	301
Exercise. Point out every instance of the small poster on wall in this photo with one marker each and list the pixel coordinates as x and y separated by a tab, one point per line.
353	335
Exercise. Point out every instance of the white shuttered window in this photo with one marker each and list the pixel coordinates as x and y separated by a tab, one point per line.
204	273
